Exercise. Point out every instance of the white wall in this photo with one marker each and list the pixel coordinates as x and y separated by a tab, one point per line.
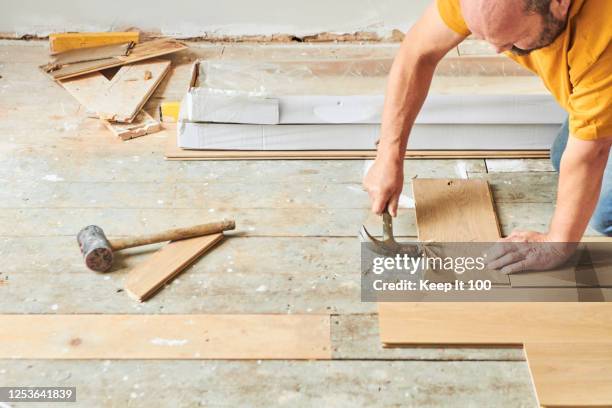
185	18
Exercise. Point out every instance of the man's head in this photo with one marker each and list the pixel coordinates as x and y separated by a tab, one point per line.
520	26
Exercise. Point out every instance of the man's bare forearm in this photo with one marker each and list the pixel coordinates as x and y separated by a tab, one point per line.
580	179
407	88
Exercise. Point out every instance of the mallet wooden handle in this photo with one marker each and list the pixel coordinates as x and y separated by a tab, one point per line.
173	235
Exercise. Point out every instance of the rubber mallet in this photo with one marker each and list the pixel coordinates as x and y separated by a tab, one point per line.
98	250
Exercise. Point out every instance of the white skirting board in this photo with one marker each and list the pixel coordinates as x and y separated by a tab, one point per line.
204	105
362	137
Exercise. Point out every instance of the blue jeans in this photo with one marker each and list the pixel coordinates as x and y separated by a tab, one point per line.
602	218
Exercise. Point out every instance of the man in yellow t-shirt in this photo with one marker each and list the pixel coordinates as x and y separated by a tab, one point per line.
567	44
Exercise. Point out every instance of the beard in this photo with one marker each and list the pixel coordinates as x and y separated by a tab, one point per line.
552	29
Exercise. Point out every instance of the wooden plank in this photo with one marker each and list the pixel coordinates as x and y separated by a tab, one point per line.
84	55
142	51
173	152
565	277
190	337
571	374
455	210
119	99
146	279
60	42
143	124
494	323
590	266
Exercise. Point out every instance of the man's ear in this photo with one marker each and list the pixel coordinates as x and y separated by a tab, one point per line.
560	8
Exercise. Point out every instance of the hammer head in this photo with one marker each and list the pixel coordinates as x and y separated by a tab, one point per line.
96	249
388	244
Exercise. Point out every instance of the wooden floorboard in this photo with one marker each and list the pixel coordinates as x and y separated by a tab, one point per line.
163	337
571	374
147	278
428	384
451	210
494	323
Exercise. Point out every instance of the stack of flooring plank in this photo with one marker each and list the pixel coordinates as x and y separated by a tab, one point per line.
116	96
333	108
568	345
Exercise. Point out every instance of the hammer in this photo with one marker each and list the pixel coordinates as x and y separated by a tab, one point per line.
98	251
388	245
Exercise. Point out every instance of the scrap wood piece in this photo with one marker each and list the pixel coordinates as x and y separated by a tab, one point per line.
60	42
146	279
120	98
190	337
571	374
503	323
143	124
139	52
89	54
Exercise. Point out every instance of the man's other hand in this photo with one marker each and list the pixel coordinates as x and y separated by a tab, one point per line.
384	182
524	251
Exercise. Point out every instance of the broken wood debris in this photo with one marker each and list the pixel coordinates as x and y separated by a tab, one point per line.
137	52
117	101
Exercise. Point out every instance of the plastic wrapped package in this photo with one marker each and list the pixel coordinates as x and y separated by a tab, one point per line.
352	92
337	104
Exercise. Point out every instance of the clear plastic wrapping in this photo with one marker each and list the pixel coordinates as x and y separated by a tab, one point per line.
279	78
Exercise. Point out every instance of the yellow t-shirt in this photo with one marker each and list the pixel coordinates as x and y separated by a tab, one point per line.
576	68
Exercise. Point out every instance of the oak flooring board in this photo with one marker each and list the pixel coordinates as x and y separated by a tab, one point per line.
457	210
453	210
150	276
119	337
589	266
493	323
597	275
571	374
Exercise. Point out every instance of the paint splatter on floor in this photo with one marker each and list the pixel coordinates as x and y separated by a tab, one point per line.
52	177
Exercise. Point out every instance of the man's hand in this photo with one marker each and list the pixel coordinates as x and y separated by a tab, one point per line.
525	251
384	183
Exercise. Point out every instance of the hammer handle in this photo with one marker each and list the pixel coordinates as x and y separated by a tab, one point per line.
173	235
